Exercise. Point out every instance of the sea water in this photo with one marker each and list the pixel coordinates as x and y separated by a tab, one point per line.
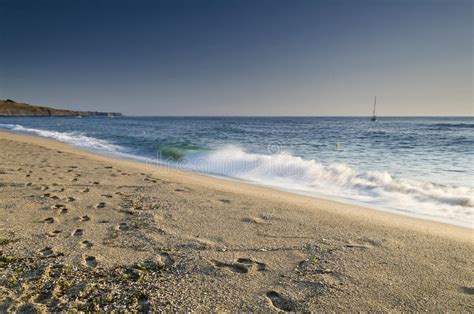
421	167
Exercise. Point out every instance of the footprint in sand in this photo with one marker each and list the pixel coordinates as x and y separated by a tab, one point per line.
250	263
106	195
84	218
54	233
78	233
126	212
166	258
253	220
85	190
364	244
48	220
47	251
70	199
86	244
63	210
122	226
57	206
90	261
100	205
242	266
236	268
279	302
158	262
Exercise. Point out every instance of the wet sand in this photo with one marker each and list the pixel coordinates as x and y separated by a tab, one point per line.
85	232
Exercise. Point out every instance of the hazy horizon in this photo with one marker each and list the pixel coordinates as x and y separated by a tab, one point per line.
368	114
240	58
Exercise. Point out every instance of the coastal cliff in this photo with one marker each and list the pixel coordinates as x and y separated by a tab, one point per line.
10	108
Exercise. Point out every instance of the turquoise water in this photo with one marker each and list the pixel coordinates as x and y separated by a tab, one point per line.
417	166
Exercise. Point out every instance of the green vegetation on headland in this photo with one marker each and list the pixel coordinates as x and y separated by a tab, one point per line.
10	108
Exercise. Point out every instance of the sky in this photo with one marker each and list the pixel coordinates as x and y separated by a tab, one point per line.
239	57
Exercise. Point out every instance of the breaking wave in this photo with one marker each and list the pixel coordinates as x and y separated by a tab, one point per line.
339	181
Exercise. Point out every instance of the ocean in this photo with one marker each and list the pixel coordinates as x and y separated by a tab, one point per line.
421	167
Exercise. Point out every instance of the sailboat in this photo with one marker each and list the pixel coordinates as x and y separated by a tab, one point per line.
374	117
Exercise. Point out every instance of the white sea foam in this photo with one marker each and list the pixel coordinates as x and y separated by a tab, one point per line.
380	189
73	138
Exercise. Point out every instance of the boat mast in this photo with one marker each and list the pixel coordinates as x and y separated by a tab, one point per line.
375	104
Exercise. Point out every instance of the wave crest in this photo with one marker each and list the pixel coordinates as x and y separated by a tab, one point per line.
294	173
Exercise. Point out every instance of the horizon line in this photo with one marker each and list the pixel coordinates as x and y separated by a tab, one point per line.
293	116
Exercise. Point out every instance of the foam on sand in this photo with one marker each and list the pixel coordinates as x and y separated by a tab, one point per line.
74	138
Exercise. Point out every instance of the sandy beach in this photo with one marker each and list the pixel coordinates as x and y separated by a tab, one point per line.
85	232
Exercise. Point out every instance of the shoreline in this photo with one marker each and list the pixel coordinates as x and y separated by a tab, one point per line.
152	164
219	180
165	239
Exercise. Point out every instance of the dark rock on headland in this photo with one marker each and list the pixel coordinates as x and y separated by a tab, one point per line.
10	108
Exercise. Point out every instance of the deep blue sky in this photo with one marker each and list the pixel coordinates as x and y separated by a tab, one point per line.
240	57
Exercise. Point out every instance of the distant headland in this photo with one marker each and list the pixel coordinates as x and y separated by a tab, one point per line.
10	108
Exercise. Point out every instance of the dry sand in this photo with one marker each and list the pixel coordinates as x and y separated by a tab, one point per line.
84	232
